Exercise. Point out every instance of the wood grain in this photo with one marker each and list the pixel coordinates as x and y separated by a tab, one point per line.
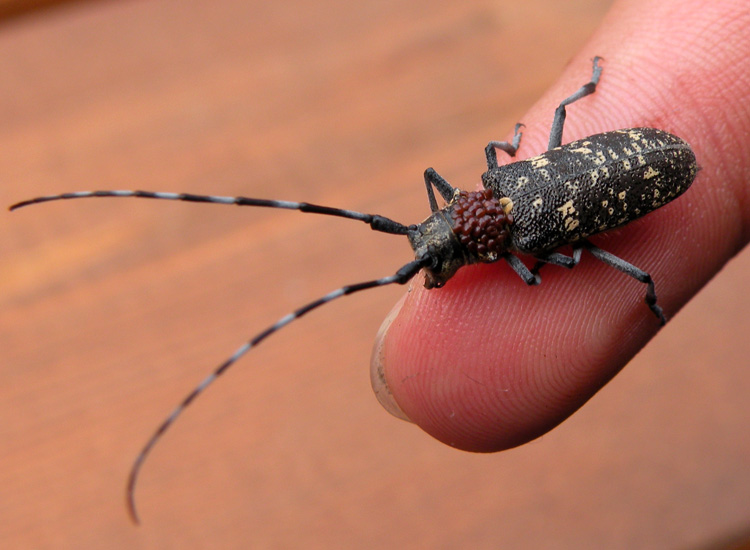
111	310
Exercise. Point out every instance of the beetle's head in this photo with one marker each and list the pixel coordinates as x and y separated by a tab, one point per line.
472	228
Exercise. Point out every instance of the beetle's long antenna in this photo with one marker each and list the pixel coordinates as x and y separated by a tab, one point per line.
402	276
378	223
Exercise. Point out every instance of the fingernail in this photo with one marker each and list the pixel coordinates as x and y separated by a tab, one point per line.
377	367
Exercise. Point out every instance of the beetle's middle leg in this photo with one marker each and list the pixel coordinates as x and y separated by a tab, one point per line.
510	148
556	258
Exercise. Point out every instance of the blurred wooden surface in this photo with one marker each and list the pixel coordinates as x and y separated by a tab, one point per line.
14	8
111	310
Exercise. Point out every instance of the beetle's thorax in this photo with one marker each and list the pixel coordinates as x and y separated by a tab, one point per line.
472	228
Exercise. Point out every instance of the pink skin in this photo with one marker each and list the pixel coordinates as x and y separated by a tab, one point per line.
486	363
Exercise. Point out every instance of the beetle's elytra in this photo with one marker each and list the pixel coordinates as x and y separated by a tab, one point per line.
558	198
532	207
591	185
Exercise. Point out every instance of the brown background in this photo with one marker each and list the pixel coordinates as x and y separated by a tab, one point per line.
111	310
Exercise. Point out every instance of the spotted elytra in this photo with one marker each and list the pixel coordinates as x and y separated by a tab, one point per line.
531	207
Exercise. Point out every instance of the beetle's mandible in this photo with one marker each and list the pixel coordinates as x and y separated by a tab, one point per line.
532	207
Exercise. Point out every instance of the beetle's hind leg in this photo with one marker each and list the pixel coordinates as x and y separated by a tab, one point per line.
629	269
555	134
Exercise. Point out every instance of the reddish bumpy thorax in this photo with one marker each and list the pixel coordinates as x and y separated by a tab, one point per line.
481	224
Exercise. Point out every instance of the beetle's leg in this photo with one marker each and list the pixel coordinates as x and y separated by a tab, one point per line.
556	258
491	150
520	268
555	135
629	269
446	190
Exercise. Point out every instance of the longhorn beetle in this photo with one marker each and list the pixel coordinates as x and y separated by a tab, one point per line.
533	207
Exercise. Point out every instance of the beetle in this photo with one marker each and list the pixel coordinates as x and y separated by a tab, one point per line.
531	207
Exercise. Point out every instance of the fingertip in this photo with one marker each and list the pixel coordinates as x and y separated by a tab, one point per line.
378	378
487	363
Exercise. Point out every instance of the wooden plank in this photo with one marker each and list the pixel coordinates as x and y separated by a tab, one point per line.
110	311
14	8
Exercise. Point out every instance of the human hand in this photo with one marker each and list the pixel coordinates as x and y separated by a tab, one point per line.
486	363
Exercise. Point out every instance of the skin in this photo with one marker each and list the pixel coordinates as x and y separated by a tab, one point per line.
486	363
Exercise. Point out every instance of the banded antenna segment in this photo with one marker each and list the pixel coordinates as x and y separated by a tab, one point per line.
376	222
